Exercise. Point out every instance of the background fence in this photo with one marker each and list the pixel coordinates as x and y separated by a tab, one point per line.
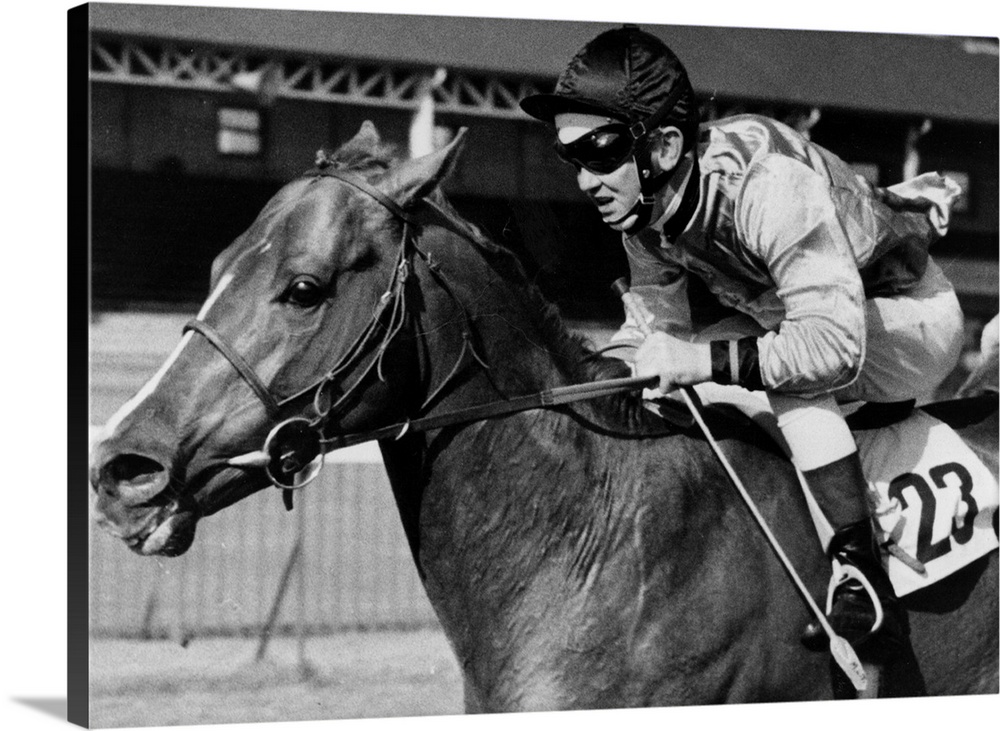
353	569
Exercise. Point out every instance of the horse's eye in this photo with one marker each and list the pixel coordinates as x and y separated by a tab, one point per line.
304	292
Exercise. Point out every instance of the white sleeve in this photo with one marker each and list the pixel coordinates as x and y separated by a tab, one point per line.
787	218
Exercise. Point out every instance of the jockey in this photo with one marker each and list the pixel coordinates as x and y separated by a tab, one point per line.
839	300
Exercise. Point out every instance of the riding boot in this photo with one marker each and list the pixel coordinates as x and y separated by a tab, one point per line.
853	614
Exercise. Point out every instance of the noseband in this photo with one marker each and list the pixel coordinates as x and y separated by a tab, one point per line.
294	449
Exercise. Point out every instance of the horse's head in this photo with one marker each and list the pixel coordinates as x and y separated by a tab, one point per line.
299	323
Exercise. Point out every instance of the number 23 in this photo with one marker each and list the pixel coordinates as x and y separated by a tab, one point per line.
926	549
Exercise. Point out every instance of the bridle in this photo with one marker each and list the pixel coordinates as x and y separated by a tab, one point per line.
294	450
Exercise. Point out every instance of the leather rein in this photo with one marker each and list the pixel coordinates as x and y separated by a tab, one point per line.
293	452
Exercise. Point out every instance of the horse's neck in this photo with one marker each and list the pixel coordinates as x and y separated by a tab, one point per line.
501	492
532	478
482	338
483	319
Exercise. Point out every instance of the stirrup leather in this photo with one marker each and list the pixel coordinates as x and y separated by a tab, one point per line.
843	573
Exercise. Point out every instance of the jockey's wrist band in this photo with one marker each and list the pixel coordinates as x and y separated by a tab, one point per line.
736	362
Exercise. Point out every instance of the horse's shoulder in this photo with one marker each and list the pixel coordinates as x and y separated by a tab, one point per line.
691	503
685	458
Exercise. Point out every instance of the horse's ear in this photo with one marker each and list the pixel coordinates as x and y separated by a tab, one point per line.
415	179
366	140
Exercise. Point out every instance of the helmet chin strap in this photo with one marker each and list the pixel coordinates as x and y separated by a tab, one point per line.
650	185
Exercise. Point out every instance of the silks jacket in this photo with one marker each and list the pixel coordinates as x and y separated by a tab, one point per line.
787	233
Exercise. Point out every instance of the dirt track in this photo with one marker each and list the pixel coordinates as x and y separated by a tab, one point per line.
351	675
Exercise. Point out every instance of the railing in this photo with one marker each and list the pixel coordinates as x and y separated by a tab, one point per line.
339	560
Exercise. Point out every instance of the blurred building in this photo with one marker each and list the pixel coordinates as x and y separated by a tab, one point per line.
198	115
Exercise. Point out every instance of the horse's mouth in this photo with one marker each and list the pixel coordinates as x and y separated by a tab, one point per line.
168	528
170	537
168	531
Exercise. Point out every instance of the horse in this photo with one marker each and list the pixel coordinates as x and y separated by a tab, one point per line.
578	554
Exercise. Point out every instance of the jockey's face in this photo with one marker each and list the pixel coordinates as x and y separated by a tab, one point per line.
613	193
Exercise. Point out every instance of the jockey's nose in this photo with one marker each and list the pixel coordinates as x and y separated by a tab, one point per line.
587	181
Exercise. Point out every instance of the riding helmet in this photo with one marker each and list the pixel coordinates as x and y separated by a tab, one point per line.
626	74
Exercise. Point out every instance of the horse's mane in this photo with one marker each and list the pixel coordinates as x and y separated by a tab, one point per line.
379	157
573	353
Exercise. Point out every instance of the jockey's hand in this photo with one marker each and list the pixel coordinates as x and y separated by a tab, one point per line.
676	362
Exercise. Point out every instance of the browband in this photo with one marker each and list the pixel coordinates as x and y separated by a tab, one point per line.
364	186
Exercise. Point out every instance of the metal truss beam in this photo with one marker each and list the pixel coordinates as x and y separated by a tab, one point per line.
181	66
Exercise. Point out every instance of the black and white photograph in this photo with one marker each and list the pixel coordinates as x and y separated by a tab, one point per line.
442	366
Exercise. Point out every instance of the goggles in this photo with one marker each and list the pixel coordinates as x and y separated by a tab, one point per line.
605	149
602	150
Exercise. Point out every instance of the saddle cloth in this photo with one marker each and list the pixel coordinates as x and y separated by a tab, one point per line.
935	501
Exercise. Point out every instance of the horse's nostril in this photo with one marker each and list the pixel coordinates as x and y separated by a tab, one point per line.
133	478
132	468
